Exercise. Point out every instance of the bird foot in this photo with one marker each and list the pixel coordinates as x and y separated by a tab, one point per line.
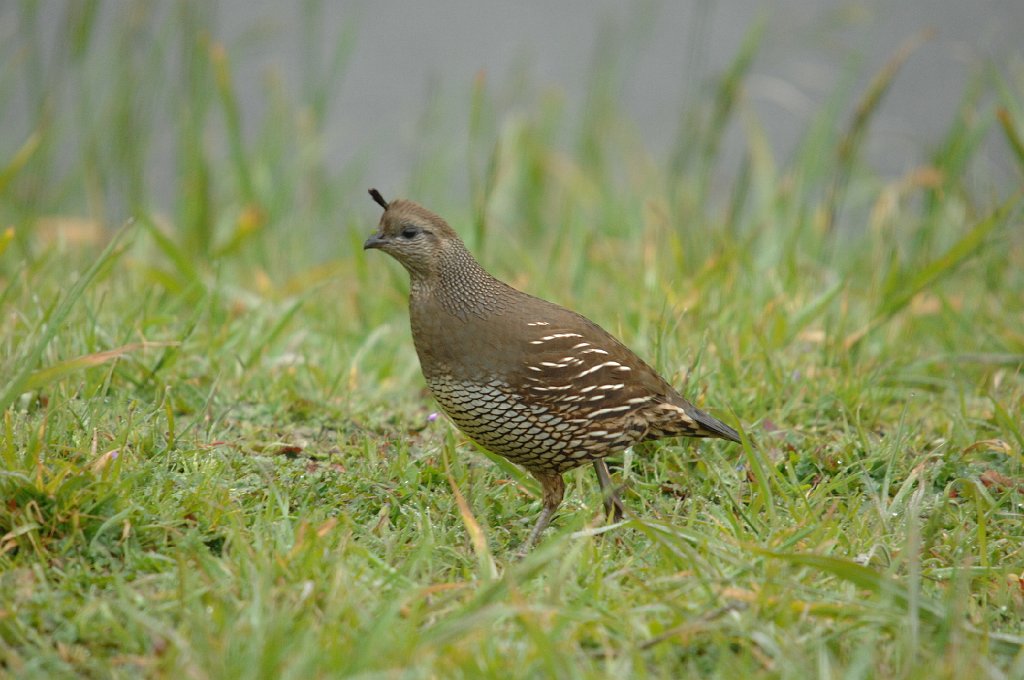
614	508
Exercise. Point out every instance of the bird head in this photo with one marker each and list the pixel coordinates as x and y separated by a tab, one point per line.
413	235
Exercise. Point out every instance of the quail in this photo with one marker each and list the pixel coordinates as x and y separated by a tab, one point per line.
529	380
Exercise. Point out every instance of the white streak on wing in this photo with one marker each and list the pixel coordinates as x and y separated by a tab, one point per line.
680	412
599	367
602	411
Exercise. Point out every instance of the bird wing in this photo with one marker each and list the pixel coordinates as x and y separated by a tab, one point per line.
573	366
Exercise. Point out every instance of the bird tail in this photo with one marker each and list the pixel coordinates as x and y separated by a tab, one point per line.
714	427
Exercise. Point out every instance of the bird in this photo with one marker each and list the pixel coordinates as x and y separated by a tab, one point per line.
525	378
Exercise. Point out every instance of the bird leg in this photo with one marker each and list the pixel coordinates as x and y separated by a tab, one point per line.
552	488
613	506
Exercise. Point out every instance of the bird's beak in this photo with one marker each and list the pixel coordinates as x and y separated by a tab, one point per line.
375	241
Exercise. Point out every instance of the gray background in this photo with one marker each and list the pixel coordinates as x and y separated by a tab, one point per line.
405	51
410	56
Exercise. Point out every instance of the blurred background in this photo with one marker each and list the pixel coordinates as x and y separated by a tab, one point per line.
129	100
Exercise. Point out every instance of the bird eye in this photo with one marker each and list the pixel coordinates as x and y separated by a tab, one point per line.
409	231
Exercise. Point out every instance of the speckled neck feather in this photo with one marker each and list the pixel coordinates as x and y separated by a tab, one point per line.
462	287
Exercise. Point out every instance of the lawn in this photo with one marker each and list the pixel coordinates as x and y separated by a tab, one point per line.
219	458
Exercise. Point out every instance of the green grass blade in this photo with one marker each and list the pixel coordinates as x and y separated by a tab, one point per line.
1012	134
905	285
54	321
967	246
20	158
852	141
233	119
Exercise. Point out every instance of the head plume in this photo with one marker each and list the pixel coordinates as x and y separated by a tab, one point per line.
378	198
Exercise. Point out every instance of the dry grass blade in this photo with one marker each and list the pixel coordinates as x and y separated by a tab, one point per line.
50	374
6	238
700	624
476	532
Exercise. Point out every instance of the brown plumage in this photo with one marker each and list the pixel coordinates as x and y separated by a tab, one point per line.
529	380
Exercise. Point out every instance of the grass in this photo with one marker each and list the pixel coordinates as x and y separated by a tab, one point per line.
219	459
